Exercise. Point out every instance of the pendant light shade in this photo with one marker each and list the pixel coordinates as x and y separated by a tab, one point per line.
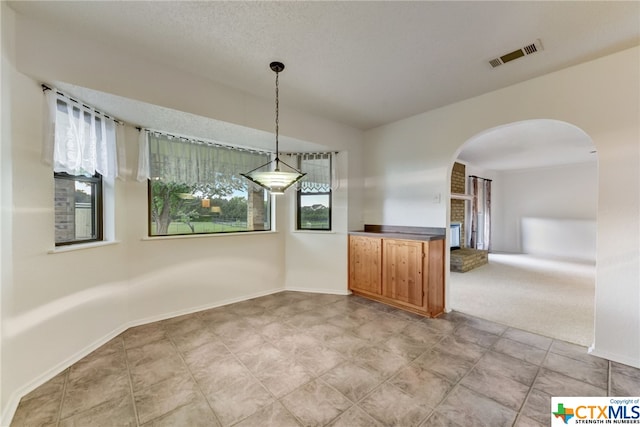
276	180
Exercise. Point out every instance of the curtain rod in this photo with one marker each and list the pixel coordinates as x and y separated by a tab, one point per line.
200	141
46	88
223	145
310	152
479	177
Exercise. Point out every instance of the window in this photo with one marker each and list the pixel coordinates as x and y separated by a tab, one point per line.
78	208
195	187
80	143
314	192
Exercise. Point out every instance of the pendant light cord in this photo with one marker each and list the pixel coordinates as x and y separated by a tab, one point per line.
277	118
275	181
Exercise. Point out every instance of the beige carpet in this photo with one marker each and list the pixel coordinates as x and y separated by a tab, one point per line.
548	297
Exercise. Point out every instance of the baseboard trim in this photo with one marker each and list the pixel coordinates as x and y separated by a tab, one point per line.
14	400
625	360
192	310
317	290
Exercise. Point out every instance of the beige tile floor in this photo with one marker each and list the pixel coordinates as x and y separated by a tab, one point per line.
296	359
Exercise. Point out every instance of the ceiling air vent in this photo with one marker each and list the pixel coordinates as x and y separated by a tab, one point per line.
508	57
495	62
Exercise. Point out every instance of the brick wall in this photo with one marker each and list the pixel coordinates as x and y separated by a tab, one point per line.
255	209
466	259
458	206
65	193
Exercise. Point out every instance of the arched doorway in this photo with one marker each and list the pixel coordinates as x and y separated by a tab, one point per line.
541	271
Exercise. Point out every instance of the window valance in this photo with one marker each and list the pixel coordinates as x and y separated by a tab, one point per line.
320	170
78	139
193	162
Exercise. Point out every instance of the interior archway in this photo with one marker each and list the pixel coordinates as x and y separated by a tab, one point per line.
541	271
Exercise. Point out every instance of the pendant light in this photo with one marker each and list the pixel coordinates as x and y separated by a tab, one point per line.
276	180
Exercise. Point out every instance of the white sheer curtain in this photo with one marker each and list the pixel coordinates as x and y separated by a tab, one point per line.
78	139
188	161
320	169
144	172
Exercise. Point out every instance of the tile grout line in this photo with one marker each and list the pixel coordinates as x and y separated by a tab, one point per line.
442	338
270	342
345	360
487	349
609	379
133	399
492	348
237	359
540	367
196	381
526	399
457	383
279	400
349	360
384	381
339	392
64	390
451	333
276	399
184	362
387	380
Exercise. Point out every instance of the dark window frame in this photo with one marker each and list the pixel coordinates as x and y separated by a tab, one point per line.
299	196
97	206
301	193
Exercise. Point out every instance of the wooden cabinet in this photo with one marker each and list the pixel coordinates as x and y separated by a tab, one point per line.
405	273
402	272
365	262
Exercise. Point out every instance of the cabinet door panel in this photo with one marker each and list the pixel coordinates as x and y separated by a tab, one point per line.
402	271
434	272
365	255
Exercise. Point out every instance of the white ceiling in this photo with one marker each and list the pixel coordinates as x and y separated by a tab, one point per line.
364	64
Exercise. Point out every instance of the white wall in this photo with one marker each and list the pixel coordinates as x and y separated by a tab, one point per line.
314	262
56	307
409	161
7	23
541	202
567	239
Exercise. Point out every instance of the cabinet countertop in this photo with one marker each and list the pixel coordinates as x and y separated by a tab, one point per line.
401	236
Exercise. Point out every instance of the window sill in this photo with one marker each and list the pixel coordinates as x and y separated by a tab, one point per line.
314	231
201	236
82	246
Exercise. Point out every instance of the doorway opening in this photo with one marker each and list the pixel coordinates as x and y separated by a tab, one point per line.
542	213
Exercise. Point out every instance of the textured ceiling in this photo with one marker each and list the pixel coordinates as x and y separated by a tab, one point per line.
361	63
364	64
